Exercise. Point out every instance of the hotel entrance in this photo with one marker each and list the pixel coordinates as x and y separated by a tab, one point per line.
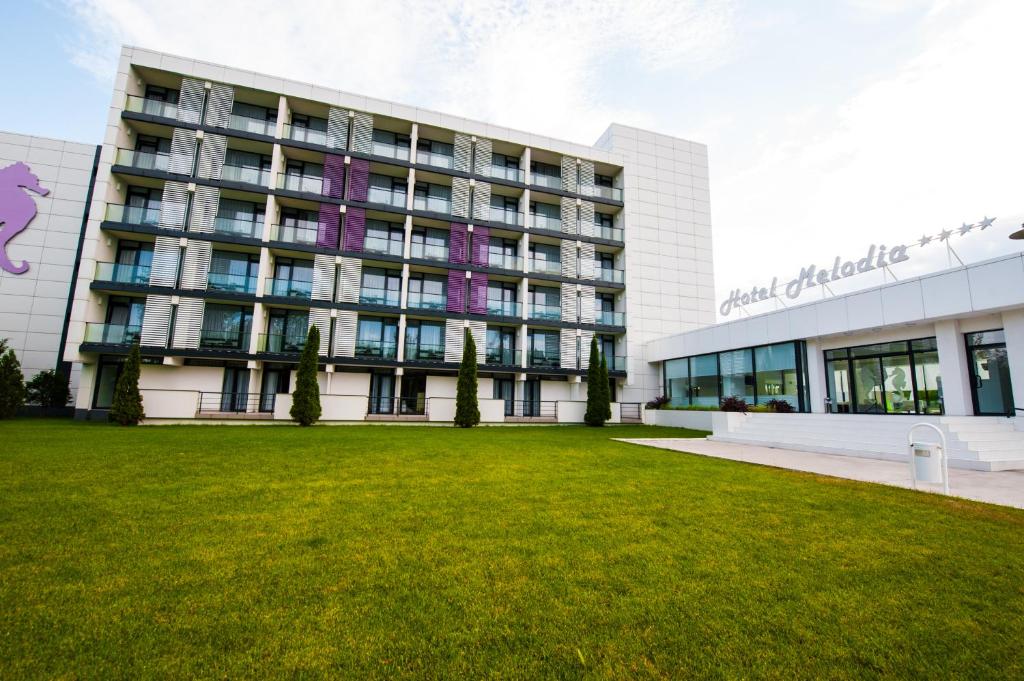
990	374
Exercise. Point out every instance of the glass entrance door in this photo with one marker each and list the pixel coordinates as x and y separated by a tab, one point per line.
990	374
414	394
505	389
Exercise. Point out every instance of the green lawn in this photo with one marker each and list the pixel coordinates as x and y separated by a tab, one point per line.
534	552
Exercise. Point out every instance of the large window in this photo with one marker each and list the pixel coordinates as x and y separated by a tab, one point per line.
377	337
900	377
226	327
381	287
424	341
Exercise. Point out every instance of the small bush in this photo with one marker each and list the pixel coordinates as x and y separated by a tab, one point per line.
779	406
657	403
126	407
467	406
49	389
12	383
306	396
734	404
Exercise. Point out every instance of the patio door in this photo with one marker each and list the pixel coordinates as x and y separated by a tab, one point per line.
531	397
505	389
382	393
414	394
235	390
275	382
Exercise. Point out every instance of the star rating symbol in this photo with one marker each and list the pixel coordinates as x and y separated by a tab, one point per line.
964	228
925	240
986	222
945	234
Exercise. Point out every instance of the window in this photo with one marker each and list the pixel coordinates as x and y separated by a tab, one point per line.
123	320
254	111
431	152
133	262
391	144
161	94
242	218
435	198
603	180
142	206
501	298
424	341
381	287
147	144
287	330
501	345
388	190
377	337
235	272
429	243
992	391
900	377
308	122
244	166
545	169
737	369
384	237
543	348
427	291
502	253
503	161
293	278
226	327
545	302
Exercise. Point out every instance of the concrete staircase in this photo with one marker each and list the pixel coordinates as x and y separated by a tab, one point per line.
977	443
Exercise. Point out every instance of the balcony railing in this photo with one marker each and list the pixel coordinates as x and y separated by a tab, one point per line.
112	334
432	204
550	181
504	308
608	274
235	403
388	150
281	342
300	233
301	133
616	363
505	357
537	409
430	158
380	296
424	353
224	340
245	175
376	244
506	216
144	160
132	215
429	251
427	301
386	197
613	193
309	184
397	406
605	232
539	221
151	107
611	318
542	358
511	174
505	261
376	349
546	312
122	274
258	126
545	266
235	227
289	288
232	283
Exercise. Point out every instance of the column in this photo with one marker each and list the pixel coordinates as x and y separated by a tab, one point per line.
817	387
956	383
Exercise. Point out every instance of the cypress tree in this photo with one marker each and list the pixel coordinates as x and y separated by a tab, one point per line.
126	407
606	390
12	383
594	415
467	409
306	398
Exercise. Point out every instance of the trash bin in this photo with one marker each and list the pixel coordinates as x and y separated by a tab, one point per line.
927	461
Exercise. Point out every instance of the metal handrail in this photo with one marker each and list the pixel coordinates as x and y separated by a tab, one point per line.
235	403
397	406
534	408
630	410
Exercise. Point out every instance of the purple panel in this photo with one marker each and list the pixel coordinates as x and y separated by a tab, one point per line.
355	229
457	243
481	241
328	226
358	179
478	292
456	291
334	176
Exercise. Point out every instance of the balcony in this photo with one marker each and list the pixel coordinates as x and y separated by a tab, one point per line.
151	107
386	197
431	158
112	334
503	357
308	184
122	274
380	296
612	193
429	252
611	318
376	349
230	339
544	359
510	174
504	308
289	288
387	150
605	232
252	229
132	215
505	262
143	160
280	342
432	204
539	221
376	244
549	181
245	175
231	283
608	274
616	363
424	353
427	301
506	217
552	312
303	134
396	408
545	266
303	232
520	411
257	126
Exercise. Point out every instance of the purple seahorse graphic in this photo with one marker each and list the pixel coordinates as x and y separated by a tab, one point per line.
16	208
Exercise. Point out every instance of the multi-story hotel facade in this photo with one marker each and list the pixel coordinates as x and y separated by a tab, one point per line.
232	210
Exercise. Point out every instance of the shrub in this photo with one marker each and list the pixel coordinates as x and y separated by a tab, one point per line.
779	406
126	407
657	403
306	397
467	409
49	389
734	404
606	390
12	383
596	396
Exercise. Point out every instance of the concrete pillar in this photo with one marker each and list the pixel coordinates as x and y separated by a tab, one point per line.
956	382
1013	328
817	385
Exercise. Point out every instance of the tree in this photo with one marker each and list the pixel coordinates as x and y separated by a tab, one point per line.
126	407
467	409
49	389
306	398
596	397
606	389
12	383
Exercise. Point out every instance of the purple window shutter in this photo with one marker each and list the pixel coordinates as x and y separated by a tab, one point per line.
456	291
358	179
457	243
481	242
334	176
478	293
355	228
328	226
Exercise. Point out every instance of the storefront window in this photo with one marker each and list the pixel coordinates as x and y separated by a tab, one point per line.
737	374
677	381
900	377
704	380
777	373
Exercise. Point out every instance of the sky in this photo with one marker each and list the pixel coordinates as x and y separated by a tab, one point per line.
831	126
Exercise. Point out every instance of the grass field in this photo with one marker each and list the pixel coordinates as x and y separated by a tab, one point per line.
362	552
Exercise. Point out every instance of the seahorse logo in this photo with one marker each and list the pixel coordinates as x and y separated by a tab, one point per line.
16	209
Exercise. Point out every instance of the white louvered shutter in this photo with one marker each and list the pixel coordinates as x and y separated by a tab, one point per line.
321	319
156	322
454	331
568	174
218	109
349	277
195	270
482	155
323	277
362	133
188	323
568	299
173	206
587	305
205	203
463	150
568	215
586	218
345	333
337	128
163	270
211	156
481	201
479	331
568	256
460	197
567	348
587	264
183	152
586	174
585	337
190	100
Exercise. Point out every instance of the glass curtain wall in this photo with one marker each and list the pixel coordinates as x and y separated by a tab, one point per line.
900	377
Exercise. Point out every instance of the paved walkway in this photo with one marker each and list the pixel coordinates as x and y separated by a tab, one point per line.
1003	487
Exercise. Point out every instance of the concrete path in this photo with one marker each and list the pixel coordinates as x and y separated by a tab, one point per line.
1003	487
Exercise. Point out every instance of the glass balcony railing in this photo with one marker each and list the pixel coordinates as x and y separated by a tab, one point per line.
376	349
151	107
505	261
218	339
605	232
608	274
300	233
506	216
504	308
388	150
427	301
545	266
546	312
132	215
543	358
301	133
376	244
143	160
430	158
245	175
112	334
235	227
429	251
257	126
611	318
550	181
122	274
432	204
232	283
505	357
539	221
289	288
424	353
613	193
617	363
380	296
510	174
309	184
280	342
386	197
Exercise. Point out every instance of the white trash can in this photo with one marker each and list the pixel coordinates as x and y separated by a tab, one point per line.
927	461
